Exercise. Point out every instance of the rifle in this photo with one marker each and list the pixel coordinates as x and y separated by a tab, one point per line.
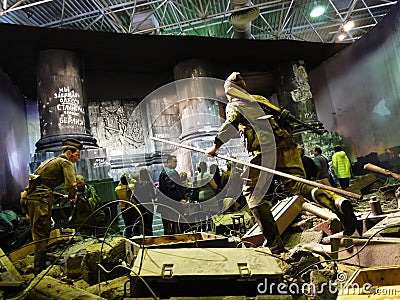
265	104
265	169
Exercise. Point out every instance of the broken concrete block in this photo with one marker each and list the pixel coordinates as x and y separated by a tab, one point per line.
109	255
298	259
73	266
311	237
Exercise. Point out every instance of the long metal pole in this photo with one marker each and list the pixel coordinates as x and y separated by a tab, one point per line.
265	169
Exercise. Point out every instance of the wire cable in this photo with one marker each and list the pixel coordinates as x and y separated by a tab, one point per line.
136	274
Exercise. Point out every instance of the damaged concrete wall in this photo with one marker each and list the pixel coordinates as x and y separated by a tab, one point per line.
357	92
14	150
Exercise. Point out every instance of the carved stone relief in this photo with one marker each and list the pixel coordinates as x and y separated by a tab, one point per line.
302	90
116	125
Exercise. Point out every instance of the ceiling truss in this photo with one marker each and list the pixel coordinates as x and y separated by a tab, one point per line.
277	19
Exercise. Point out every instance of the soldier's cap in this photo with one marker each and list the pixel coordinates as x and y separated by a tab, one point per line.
80	177
72	143
235	78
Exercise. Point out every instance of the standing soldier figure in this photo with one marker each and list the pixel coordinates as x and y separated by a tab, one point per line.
38	198
242	115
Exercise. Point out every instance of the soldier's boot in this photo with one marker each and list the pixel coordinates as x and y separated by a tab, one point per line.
266	222
339	205
346	215
39	262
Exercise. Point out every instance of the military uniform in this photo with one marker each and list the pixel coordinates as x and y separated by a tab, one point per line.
87	202
38	201
243	115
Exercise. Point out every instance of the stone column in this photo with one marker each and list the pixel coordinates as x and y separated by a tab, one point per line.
61	100
294	93
199	110
63	113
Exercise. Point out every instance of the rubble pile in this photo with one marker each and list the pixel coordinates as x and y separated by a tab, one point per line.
321	263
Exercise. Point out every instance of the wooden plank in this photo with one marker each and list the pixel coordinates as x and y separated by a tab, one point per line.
22	252
56	236
5	263
362	183
10	284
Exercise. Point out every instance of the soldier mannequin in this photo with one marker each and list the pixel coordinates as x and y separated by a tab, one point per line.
288	161
88	201
38	200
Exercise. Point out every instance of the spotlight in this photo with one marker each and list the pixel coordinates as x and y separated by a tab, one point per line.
349	25
341	36
317	10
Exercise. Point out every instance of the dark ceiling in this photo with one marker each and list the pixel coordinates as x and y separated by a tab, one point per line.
120	66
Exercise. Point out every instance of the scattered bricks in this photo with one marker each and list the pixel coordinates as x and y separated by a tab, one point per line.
329	227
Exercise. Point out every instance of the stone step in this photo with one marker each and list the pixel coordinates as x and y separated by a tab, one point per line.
158	228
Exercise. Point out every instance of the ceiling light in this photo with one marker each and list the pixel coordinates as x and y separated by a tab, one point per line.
341	36
317	11
349	25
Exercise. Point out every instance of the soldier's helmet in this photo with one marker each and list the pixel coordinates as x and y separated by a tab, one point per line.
236	79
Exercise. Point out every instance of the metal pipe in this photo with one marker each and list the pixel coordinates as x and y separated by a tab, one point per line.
318	211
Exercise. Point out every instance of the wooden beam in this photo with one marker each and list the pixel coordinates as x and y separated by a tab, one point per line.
12	278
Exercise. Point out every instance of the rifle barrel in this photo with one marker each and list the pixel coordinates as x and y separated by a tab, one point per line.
265	169
304	124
